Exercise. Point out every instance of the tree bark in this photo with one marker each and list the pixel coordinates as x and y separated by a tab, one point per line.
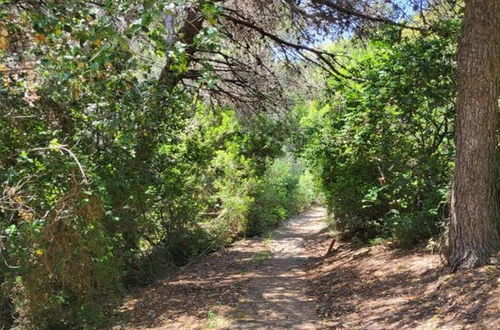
168	80
191	27
473	234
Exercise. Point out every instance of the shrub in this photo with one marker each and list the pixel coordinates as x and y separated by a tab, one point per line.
283	190
382	148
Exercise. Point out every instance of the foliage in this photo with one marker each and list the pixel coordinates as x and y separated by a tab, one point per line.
110	174
284	190
256	186
382	147
107	175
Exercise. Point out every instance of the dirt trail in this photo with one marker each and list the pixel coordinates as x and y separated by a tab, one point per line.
257	283
278	296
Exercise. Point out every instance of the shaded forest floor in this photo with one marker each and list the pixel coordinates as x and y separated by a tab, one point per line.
283	281
359	287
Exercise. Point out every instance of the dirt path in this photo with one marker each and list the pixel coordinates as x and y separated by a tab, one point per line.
278	289
257	283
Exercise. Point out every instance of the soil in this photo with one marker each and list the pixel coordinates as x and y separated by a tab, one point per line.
284	281
257	283
378	287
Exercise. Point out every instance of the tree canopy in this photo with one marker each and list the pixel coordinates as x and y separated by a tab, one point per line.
137	135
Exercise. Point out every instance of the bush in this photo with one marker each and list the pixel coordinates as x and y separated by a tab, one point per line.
62	272
382	148
284	189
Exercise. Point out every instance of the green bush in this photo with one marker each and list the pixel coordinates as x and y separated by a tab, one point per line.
284	189
382	148
254	186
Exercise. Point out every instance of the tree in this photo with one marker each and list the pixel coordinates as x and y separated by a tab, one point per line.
256	33
473	233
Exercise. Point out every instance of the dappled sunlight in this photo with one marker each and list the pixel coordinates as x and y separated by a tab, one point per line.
373	287
254	283
162	164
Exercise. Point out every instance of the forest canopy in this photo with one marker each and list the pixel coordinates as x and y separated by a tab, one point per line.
138	135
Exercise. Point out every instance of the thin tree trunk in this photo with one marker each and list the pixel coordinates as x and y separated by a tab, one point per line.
474	210
168	80
149	129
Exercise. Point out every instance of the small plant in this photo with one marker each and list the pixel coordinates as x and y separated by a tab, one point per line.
212	319
261	257
377	241
268	236
215	320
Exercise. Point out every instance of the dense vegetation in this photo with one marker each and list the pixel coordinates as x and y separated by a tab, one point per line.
110	175
103	183
72	235
383	146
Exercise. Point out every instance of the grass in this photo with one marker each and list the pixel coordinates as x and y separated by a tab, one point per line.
261	257
268	236
216	321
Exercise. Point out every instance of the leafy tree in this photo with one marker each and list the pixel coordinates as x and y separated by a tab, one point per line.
143	133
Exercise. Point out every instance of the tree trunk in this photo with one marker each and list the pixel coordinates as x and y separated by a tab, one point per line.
474	205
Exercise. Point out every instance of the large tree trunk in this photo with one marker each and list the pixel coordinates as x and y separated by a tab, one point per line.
474	210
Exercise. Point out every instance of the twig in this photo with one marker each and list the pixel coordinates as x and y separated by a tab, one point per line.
64	148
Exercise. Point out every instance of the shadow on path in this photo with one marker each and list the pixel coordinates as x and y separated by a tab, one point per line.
256	283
